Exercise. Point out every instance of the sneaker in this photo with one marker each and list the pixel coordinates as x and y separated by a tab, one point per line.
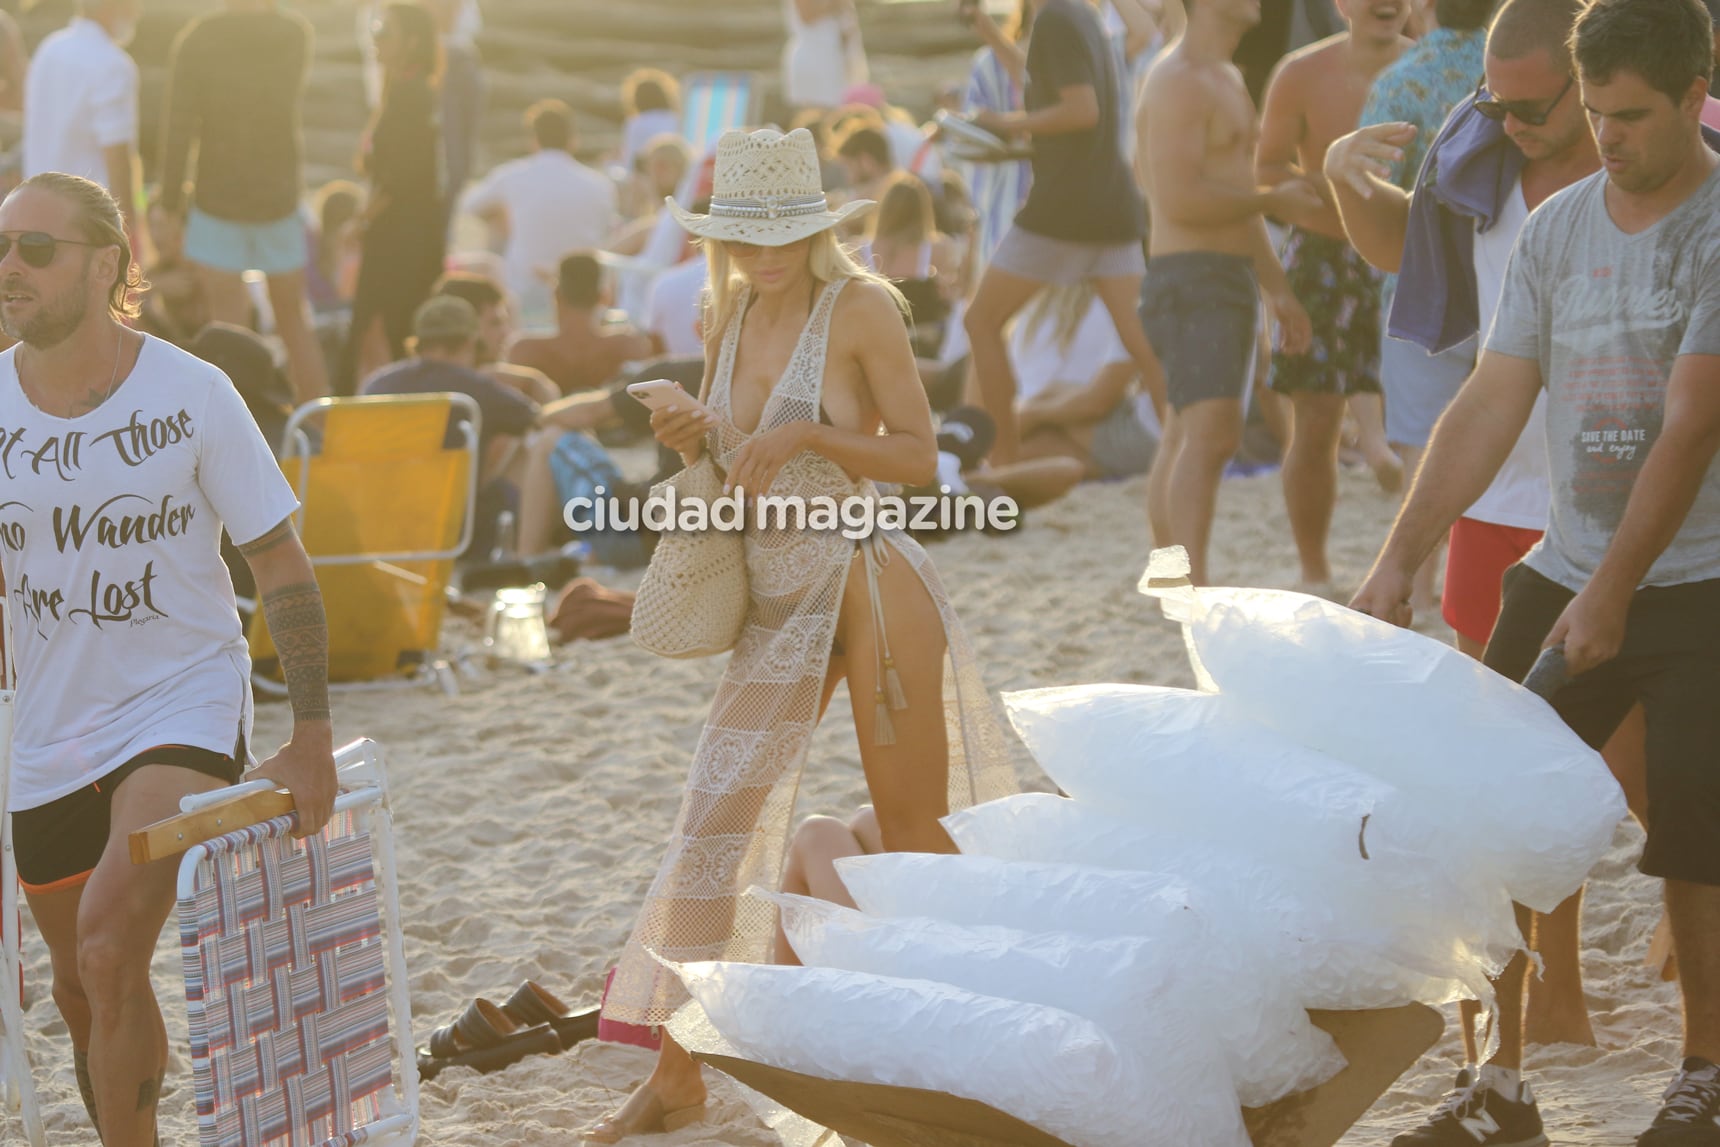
1689	1111
1477	1116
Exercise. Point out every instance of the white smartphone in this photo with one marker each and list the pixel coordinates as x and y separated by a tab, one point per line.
662	393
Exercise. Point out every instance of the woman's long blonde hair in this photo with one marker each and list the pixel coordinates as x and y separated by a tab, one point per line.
1064	308
828	260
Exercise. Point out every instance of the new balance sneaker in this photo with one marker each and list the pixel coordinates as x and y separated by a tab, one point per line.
1689	1111
1475	1115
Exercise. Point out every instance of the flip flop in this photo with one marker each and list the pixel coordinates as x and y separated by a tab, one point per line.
531	1005
486	1039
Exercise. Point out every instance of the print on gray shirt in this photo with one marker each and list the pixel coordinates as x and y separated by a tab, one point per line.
1605	314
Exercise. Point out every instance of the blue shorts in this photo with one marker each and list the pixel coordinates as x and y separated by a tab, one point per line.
273	248
1201	311
1419	386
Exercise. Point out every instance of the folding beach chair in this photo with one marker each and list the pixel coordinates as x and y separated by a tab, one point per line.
715	102
16	1088
295	974
1380	1045
385	509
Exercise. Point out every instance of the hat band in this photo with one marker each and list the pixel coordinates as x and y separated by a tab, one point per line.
767	206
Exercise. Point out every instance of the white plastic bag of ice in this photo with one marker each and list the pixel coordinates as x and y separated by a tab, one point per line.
1518	792
1323	946
1193	766
1047	1067
1127	985
1238	980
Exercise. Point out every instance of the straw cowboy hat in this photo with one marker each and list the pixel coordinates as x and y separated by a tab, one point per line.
767	190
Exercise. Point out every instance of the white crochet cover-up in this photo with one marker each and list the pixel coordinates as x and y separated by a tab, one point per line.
735	819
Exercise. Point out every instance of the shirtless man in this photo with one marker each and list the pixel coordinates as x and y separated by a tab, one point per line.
1209	259
1315	96
583	353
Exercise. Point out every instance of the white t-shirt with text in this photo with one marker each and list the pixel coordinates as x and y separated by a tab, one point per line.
125	628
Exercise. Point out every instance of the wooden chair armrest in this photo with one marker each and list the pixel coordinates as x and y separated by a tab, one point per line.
174	835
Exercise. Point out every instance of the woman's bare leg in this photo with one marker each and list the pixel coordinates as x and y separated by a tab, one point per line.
676	1081
908	779
1369	410
818	844
540	509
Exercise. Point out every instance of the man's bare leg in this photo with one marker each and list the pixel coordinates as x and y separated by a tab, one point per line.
1159	480
1557	1011
539	508
1211	431
1311	480
56	917
1508	991
1000	296
305	366
119	921
1695	913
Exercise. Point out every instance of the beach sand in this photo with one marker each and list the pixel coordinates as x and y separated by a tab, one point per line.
531	813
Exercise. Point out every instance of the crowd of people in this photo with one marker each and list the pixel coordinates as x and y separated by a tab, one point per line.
1465	243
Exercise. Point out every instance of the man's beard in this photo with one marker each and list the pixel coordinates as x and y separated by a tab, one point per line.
54	321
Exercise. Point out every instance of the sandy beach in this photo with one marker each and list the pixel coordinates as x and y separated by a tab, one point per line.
531	812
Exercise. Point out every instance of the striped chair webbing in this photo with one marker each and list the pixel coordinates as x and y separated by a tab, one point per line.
282	946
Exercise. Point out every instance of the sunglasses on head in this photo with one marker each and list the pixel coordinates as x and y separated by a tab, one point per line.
1526	111
38	248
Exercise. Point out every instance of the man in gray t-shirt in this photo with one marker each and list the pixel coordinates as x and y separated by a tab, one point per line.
1611	304
1605	314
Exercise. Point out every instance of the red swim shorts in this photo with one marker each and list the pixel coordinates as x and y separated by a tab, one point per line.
1475	564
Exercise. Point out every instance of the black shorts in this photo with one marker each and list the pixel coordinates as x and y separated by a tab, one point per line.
1200	310
1670	662
57	845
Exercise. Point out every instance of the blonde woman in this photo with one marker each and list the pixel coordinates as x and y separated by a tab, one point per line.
811	389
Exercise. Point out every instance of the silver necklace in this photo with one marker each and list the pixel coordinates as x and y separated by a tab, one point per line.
118	353
113	377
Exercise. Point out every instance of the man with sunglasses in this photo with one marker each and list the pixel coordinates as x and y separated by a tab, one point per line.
1610	314
1520	137
122	460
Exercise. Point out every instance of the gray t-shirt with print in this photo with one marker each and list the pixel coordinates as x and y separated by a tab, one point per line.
1605	314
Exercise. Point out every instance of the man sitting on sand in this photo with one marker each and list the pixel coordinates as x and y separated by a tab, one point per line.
1609	309
1209	258
496	333
583	353
1315	96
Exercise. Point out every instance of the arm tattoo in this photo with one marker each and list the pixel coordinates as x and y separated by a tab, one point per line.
300	632
269	540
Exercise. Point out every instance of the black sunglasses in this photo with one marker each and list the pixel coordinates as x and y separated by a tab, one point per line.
1524	110
37	248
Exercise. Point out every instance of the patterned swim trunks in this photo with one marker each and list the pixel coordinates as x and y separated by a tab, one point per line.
1341	294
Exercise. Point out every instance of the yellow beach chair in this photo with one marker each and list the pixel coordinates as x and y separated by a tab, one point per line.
384	509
